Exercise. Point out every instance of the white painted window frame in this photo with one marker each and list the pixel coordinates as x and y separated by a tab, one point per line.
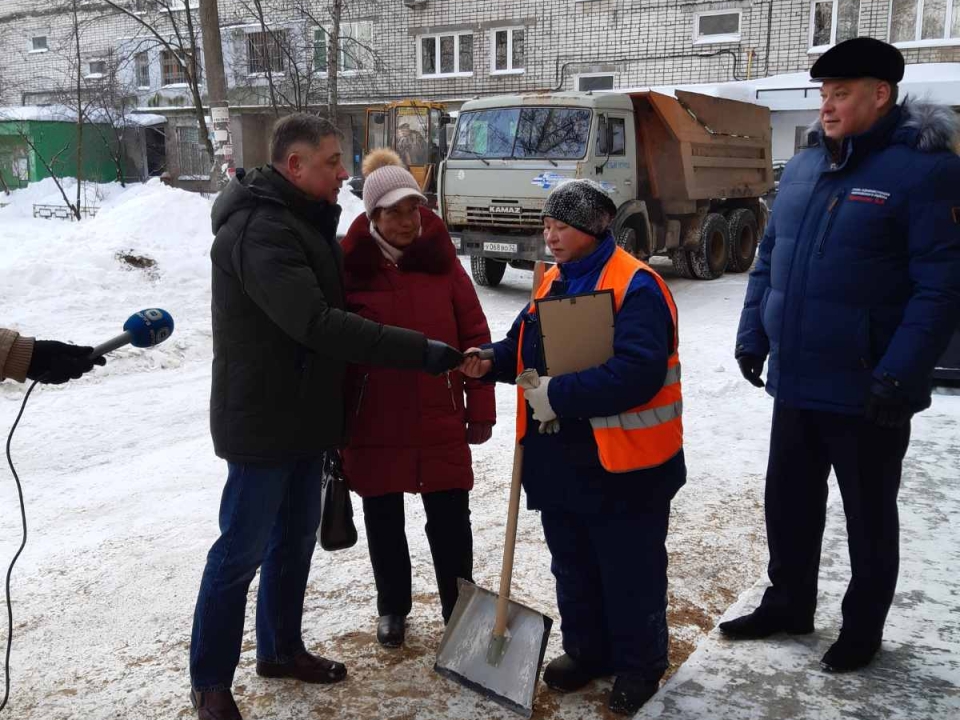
340	71
946	41
834	21
457	34
185	82
246	48
182	5
576	80
833	26
91	75
136	70
39	51
509	29
717	39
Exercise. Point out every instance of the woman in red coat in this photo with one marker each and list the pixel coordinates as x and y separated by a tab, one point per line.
409	432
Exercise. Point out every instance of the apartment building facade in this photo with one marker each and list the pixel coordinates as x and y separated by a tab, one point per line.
443	50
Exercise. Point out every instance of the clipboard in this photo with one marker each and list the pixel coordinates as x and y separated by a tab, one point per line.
576	331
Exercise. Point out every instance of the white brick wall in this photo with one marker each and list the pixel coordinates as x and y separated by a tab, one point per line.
642	42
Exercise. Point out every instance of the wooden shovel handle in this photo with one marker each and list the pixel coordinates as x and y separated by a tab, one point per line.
513	512
509	544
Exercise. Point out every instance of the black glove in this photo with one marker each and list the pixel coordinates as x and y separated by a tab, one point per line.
438	357
750	367
54	363
887	407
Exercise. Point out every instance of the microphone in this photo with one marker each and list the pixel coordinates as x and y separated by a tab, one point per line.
143	329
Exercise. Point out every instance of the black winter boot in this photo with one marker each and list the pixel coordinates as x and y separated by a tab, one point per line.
215	705
566	675
849	653
631	691
391	630
763	623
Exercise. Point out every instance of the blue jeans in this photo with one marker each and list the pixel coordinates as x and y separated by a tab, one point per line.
268	519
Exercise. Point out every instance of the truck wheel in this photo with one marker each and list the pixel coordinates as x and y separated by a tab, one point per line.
743	239
709	260
487	271
681	263
633	239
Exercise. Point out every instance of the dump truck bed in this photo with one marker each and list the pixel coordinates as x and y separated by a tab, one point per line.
697	147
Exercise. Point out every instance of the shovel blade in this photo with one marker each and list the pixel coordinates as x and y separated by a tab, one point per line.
463	652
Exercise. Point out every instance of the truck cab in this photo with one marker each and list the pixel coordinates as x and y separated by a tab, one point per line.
506	156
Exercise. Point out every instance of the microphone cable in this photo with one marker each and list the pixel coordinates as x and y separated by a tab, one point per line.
23	544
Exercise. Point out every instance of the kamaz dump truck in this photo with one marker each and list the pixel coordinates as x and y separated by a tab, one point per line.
686	173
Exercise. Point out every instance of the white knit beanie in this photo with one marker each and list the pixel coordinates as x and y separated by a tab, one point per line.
386	181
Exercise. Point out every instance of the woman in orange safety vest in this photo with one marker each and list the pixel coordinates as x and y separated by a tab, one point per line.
603	454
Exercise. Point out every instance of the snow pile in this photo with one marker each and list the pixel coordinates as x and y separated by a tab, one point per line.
94	195
85	278
147	247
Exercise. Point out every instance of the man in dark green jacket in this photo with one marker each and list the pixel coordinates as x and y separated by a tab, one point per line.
281	343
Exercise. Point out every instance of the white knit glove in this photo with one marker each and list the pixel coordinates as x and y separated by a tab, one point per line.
539	402
550	428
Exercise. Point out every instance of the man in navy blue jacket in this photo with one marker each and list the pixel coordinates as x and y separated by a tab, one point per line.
854	297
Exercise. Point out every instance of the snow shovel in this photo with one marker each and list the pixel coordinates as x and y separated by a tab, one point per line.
492	644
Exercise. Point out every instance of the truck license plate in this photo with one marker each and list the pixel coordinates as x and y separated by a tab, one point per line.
500	247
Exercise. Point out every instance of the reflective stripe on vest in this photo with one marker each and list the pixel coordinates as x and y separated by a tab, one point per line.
644	436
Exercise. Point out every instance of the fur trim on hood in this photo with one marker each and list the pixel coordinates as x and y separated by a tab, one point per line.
924	126
936	127
432	253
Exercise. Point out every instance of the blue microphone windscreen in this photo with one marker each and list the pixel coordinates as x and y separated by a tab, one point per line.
149	327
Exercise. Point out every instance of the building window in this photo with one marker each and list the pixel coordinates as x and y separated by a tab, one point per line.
194	160
618	136
507	50
142	65
356	51
716	27
172	68
265	51
96	69
925	21
38	44
593	81
800	138
446	55
833	21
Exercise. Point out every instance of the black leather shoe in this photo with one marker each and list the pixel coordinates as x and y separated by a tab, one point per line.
631	691
391	630
305	667
566	675
216	705
764	623
849	653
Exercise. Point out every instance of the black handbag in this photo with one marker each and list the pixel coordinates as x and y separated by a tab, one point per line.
337	530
